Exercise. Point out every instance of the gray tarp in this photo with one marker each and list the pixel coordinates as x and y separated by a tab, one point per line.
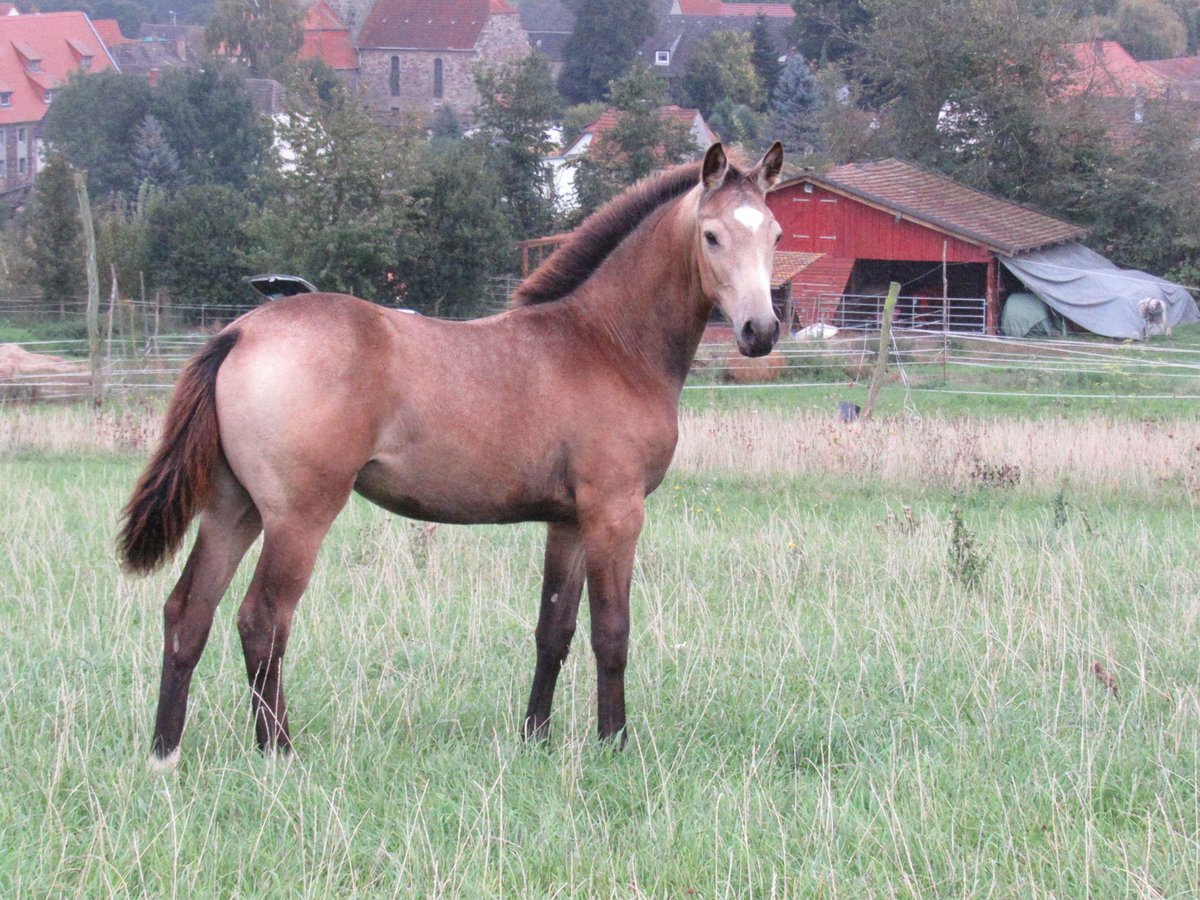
1093	293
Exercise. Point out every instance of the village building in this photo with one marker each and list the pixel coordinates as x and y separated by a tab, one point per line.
419	55
957	253
38	53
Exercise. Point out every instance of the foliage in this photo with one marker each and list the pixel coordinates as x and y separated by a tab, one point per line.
796	104
463	234
1150	29
101	145
1146	213
765	56
739	124
517	99
198	245
579	117
721	67
208	119
828	30
55	236
603	44
124	240
642	140
266	34
339	211
155	160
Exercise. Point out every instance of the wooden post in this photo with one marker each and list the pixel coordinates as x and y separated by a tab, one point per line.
885	340
112	308
93	288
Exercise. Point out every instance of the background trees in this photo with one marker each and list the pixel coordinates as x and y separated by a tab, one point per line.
602	46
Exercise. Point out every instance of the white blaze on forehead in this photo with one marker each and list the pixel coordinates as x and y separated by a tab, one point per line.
749	216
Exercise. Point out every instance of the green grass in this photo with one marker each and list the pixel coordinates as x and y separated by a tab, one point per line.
821	704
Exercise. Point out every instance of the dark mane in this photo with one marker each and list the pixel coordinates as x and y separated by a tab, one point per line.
590	244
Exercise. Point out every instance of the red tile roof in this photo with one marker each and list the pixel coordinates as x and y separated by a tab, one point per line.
790	263
429	24
57	43
1182	73
327	39
946	206
1105	68
687	117
110	32
718	8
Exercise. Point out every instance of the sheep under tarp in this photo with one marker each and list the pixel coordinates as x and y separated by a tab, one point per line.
1090	291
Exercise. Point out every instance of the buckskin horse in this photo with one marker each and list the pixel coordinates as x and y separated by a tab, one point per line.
562	409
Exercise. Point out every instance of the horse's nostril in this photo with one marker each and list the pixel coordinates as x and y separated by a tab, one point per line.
748	330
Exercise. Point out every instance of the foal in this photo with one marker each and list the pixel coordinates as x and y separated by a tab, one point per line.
562	409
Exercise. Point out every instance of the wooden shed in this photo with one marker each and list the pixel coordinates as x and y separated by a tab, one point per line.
874	223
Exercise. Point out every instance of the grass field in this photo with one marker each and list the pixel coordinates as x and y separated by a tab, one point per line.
936	657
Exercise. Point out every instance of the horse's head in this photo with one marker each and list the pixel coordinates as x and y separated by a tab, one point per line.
737	233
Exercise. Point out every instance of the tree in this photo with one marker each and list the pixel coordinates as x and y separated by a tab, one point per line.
603	44
208	119
55	236
641	141
155	159
199	249
465	239
721	67
738	124
764	56
828	30
267	34
1150	29
796	105
517	100
101	145
340	212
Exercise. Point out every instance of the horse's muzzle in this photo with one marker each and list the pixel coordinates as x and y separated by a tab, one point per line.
757	336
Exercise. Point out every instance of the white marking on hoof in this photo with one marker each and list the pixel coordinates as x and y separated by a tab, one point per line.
749	216
163	765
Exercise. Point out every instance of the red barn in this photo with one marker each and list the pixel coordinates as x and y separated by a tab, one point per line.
874	223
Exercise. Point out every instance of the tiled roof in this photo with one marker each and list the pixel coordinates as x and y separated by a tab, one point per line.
57	42
1182	73
718	8
1105	68
428	24
327	39
608	120
790	263
110	32
937	202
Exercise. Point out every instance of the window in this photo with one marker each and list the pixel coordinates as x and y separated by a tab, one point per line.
662	57
20	135
35	65
3	154
394	77
21	163
86	64
47	96
437	79
5	98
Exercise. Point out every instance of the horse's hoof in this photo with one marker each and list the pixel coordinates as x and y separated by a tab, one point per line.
163	765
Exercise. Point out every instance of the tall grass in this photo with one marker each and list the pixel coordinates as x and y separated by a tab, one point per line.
821	705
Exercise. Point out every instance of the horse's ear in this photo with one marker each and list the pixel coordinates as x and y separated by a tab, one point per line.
766	173
715	166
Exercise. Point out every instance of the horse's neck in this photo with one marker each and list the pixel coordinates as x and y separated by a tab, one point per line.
645	300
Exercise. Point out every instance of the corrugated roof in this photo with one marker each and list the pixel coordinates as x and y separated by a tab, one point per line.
945	205
46	38
428	24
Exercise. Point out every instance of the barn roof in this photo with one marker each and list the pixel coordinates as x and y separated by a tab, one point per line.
787	264
429	24
327	39
945	205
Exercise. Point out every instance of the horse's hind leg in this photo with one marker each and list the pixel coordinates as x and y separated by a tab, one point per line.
561	588
265	618
229	523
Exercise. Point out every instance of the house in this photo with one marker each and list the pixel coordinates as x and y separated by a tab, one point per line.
1106	69
326	38
419	55
874	223
548	23
957	253
38	53
562	164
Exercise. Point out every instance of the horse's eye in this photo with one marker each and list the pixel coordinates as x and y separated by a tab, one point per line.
711	238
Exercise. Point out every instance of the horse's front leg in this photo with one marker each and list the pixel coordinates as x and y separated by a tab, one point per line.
561	587
610	534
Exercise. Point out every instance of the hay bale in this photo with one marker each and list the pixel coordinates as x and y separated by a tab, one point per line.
740	369
40	376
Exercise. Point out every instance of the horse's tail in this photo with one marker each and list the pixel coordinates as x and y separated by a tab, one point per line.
178	479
